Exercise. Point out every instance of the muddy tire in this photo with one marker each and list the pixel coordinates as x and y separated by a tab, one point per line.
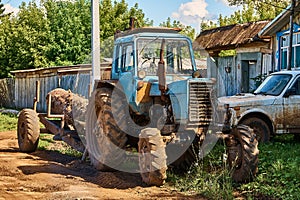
260	128
152	157
105	141
242	154
28	130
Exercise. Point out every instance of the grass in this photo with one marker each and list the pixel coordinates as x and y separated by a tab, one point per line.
8	122
278	176
279	170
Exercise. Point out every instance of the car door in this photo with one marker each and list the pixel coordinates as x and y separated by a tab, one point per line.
292	107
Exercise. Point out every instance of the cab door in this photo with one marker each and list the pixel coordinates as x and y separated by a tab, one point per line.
127	77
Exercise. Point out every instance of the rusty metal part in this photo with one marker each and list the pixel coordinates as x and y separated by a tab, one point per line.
37	95
162	70
143	94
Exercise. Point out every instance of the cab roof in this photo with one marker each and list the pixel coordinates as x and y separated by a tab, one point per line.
148	30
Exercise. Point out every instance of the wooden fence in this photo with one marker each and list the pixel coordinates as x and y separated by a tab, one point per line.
7	95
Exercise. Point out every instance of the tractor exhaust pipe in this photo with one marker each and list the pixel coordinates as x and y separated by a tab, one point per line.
161	72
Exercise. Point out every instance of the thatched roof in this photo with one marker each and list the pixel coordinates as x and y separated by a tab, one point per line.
230	37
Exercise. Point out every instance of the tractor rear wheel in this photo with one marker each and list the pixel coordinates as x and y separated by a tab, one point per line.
152	157
105	141
28	130
242	154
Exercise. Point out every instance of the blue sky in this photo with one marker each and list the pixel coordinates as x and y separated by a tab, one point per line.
189	12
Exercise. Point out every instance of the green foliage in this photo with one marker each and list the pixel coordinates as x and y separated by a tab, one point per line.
186	30
225	53
69	39
251	11
8	122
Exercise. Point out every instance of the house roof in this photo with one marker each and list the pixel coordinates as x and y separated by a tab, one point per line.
229	37
279	21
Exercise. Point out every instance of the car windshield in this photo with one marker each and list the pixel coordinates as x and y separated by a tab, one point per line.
176	55
273	85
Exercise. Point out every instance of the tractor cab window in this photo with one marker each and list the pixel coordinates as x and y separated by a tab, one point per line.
127	58
176	55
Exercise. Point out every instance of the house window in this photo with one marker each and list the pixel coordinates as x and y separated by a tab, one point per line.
284	53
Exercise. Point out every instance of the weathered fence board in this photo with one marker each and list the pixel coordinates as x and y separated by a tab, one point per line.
7	95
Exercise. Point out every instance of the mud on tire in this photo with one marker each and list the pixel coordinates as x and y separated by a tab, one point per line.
243	154
105	141
28	130
152	157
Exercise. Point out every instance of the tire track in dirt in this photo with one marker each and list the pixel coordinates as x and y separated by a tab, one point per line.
52	175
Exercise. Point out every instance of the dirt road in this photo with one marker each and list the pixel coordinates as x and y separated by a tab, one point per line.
52	175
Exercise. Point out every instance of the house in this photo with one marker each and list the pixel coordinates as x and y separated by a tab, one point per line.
278	29
239	73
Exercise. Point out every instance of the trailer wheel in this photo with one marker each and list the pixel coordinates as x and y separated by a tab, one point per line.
152	157
28	130
105	141
260	127
243	154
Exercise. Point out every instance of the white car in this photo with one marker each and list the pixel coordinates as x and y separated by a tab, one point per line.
274	108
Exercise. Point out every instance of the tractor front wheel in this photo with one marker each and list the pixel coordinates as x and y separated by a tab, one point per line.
242	153
152	157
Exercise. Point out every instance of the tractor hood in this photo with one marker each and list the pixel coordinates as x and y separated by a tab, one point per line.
247	100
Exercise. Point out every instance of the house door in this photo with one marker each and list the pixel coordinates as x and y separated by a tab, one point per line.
245	76
248	73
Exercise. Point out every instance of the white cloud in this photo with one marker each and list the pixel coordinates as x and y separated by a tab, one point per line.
225	2
191	13
8	9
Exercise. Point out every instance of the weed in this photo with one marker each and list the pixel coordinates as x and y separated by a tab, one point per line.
209	177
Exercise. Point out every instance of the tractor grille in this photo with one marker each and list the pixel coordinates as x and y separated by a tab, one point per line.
200	105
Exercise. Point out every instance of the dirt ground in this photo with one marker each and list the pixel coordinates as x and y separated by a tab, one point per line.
52	175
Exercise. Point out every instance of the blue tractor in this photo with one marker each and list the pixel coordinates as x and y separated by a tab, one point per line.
156	105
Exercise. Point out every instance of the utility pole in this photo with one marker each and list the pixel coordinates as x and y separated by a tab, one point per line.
290	49
95	44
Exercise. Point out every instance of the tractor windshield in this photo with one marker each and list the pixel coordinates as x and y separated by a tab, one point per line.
177	56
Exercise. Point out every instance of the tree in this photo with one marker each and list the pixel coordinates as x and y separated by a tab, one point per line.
69	31
23	40
265	9
186	30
